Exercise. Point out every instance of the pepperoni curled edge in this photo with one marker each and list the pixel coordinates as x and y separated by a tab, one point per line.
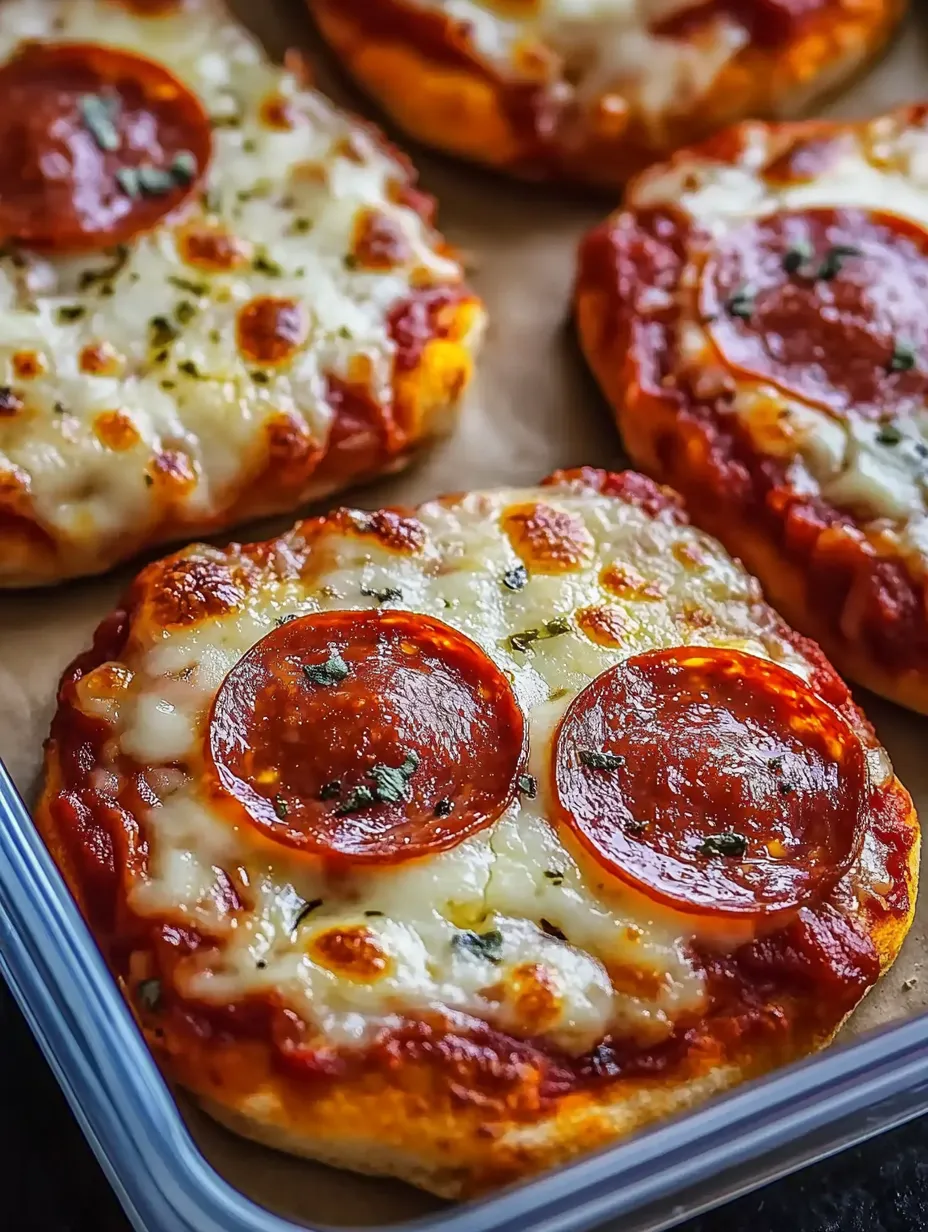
369	737
96	145
713	781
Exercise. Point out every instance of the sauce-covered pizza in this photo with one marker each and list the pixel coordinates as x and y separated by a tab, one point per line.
758	315
451	842
219	296
592	90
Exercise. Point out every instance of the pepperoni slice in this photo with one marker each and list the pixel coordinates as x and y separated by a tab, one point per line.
367	736
828	305
711	780
96	145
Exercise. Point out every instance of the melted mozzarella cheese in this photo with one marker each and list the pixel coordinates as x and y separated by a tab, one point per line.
847	459
289	198
607	45
579	954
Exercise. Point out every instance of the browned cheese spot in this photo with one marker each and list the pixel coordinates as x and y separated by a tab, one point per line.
607	625
27	365
379	243
271	330
548	540
212	248
115	430
354	953
625	582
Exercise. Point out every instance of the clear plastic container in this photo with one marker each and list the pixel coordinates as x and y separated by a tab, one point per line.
165	1183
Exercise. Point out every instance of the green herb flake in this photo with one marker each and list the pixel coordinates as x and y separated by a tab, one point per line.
902	358
60	408
331	790
188	284
149	994
516	577
263	264
488	945
185	312
552	930
371	914
128	180
726	844
741	303
332	671
189	368
70	312
162	331
308	907
358	798
280	807
261	378
834	260
344	332
796	256
888	434
301	226
97	114
785	789
599	759
391	783
387	595
154	181
523	641
555	876
528	785
184	168
149	480
351	261
444	807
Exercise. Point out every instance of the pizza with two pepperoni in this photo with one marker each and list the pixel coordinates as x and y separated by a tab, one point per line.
220	297
448	843
758	316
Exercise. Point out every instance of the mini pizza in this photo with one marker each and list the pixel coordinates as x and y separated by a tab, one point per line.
219	296
592	90
758	316
450	843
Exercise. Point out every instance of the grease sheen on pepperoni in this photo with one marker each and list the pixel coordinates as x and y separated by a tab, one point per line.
711	742
828	305
96	145
306	750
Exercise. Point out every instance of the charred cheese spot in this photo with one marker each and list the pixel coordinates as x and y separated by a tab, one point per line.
695	617
606	624
549	540
626	582
99	359
352	953
379	242
28	364
10	402
270	330
188	590
212	248
385	527
116	431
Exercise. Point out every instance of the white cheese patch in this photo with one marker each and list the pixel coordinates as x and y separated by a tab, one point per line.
200	396
608	46
608	959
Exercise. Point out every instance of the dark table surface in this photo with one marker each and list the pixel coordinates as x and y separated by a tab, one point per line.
51	1183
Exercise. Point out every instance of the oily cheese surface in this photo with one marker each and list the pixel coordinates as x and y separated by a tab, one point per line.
294	326
405	1013
827	471
594	89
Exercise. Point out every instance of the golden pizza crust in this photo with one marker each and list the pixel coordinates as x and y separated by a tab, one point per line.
479	112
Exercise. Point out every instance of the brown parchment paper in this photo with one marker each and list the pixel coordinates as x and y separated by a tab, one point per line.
534	408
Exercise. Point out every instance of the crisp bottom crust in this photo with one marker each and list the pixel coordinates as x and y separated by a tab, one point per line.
478	114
